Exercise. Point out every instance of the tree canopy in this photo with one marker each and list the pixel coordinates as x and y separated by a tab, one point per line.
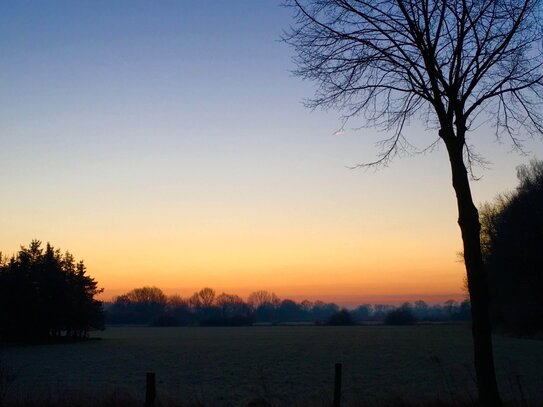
446	62
44	293
512	236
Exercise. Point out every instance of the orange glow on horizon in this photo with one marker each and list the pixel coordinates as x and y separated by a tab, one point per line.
362	278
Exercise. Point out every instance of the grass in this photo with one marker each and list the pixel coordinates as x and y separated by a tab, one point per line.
283	365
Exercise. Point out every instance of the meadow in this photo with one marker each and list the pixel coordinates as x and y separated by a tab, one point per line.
286	365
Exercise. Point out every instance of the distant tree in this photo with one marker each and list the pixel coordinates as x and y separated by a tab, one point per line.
233	310
229	304
362	312
322	311
176	300
178	312
266	312
512	236
306	306
195	301
44	293
456	64
289	311
421	310
258	298
342	317
400	316
147	295
138	306
204	308
150	306
449	307
462	312
207	297
380	311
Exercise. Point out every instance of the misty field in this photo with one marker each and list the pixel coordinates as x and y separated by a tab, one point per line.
286	365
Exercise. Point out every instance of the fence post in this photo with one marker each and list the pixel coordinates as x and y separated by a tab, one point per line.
150	389
337	385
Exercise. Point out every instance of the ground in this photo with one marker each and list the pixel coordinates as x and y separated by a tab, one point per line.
286	365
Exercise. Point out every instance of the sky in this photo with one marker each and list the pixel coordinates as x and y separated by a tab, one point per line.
166	144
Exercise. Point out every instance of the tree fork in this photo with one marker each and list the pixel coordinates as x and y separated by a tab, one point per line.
468	220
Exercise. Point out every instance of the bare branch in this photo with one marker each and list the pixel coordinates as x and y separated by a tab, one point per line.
457	63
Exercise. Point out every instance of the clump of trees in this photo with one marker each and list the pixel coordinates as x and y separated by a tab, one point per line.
420	311
403	315
140	305
512	236
47	294
150	306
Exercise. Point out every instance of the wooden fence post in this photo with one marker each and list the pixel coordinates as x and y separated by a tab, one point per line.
150	389
337	385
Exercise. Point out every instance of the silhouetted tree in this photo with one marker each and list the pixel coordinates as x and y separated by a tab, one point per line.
290	311
207	297
233	310
322	311
400	316
147	295
179	311
266	312
362	312
138	306
44	293
175	301
195	301
380	310
462	312
306	306
512	233
342	317
450	62
421	310
258	298
149	305
203	305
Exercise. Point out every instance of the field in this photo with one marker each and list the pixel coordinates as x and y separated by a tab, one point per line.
286	365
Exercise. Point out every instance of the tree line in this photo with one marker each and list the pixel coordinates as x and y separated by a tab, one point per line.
149	305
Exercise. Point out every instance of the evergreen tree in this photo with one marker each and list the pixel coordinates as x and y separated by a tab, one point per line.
44	293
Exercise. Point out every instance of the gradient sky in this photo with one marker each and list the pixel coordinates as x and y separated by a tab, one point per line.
165	143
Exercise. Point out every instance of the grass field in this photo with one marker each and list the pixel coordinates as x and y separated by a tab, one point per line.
286	365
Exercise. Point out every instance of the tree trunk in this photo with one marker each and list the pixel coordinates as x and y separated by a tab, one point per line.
468	220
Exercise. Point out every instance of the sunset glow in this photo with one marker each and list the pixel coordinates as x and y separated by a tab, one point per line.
167	145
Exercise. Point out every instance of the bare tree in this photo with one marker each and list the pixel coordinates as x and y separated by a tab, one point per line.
194	300
230	304
207	296
176	301
452	63
258	298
